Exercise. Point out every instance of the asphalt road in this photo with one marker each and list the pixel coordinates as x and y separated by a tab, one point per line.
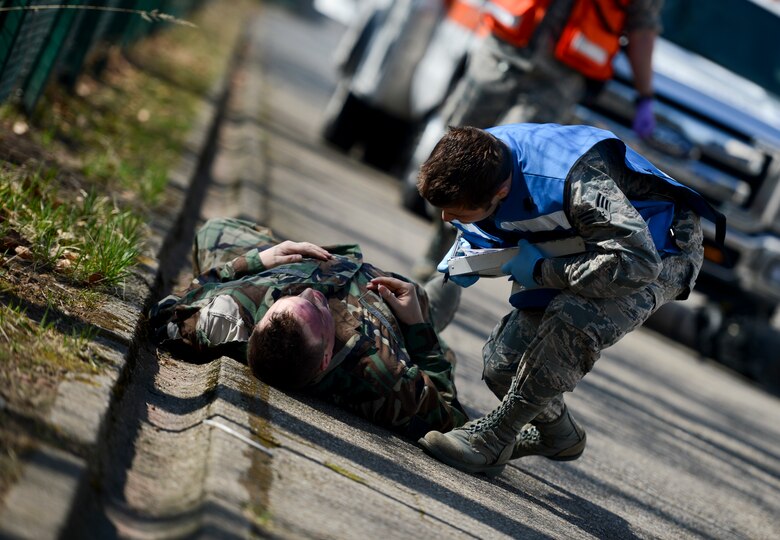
678	447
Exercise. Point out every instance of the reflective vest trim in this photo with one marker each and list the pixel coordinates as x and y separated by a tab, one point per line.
547	222
591	37
502	16
584	46
514	21
466	13
476	236
588	41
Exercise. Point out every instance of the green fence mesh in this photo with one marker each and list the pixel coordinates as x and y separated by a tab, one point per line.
39	44
50	50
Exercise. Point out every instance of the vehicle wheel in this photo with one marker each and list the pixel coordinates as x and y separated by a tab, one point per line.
765	344
679	323
342	123
411	200
748	345
387	142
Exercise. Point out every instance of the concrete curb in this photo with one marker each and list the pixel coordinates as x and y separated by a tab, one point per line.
56	476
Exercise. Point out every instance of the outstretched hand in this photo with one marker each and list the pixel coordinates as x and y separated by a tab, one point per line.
291	252
644	120
400	296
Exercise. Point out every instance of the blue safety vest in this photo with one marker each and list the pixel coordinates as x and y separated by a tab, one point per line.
536	208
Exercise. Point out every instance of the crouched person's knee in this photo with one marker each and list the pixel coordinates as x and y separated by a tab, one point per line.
498	377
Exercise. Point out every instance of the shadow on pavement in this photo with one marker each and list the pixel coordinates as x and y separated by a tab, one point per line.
587	519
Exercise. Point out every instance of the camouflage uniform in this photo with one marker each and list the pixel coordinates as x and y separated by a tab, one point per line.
602	297
396	375
598	295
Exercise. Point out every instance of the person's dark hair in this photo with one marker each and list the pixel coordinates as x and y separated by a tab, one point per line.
280	355
466	168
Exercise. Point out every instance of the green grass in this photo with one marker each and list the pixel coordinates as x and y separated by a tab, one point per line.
80	180
87	238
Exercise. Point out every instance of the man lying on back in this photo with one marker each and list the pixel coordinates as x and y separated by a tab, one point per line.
315	319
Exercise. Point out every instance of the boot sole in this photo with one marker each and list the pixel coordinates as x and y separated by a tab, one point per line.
569	454
491	471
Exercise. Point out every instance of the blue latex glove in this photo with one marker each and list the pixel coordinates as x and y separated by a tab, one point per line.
644	119
521	267
464	281
458	246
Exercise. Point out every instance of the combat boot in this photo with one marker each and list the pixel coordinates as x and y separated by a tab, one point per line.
560	440
484	445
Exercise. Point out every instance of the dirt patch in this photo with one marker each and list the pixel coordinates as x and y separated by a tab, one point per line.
46	336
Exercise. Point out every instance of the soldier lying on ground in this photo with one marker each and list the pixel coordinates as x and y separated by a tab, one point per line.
316	319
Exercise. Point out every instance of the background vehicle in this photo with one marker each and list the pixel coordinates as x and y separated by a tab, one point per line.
718	114
397	62
717	85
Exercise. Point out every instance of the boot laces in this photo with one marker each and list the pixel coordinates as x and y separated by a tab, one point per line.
530	435
490	420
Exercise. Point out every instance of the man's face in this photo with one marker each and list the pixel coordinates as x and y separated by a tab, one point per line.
311	310
467	214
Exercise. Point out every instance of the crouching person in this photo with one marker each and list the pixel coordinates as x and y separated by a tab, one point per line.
633	242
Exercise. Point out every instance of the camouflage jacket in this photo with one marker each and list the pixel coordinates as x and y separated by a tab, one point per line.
395	375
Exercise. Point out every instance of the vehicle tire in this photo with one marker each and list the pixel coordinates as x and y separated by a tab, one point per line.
342	125
681	324
387	142
765	344
411	200
748	345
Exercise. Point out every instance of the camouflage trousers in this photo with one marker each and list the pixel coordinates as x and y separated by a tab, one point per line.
550	351
220	240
